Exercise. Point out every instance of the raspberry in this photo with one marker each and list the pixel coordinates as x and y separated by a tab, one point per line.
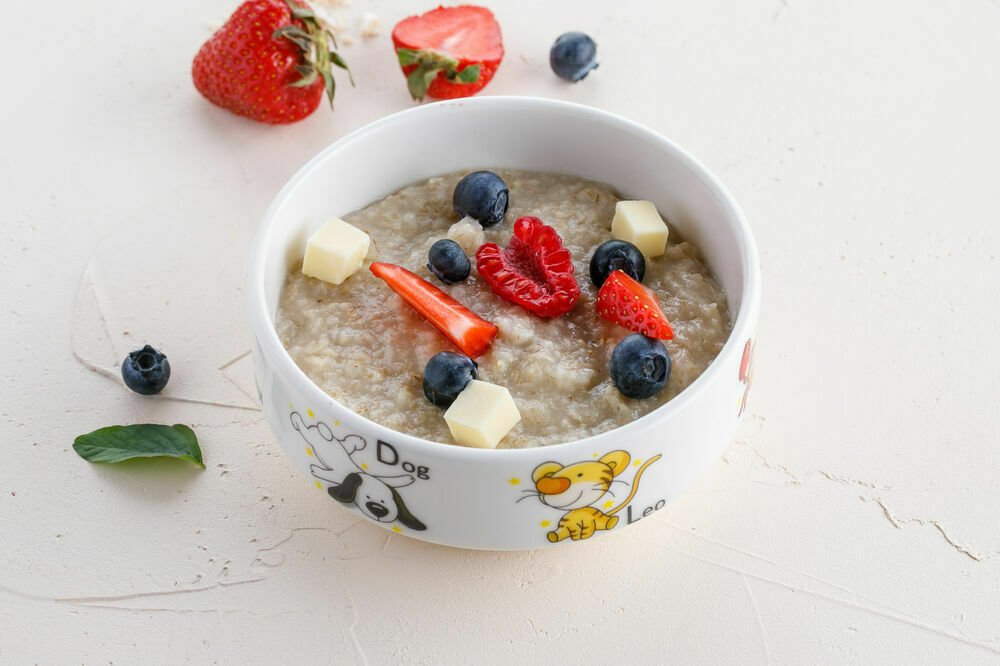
534	271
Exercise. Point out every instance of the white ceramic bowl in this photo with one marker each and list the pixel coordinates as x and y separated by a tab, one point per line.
470	497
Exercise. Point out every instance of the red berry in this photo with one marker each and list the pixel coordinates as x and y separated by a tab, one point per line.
250	68
627	303
534	271
470	333
448	52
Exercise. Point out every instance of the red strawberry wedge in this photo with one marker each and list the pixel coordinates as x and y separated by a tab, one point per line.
534	271
448	52
270	62
470	333
627	303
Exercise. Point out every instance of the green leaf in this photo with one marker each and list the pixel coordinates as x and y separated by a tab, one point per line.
293	30
296	35
417	83
330	85
300	11
340	62
429	75
146	440
469	74
407	56
308	76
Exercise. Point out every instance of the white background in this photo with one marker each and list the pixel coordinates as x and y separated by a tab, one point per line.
854	520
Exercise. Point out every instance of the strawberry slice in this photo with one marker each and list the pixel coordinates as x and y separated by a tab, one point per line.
448	52
534	271
462	326
627	303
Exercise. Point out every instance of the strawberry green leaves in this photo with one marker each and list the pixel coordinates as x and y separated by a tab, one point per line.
272	61
455	51
317	53
428	65
116	443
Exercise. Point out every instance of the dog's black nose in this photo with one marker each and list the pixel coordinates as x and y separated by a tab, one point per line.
377	509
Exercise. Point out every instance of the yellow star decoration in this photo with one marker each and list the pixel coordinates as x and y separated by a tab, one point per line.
596	455
608	504
319	485
310	413
637	463
514	481
309	451
396	530
364	466
545	523
290	406
336	423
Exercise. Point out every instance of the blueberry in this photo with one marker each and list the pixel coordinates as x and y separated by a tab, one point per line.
446	375
616	255
146	371
447	260
482	195
640	366
573	55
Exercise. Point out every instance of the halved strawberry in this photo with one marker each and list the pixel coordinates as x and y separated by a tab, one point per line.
627	303
449	51
534	271
462	326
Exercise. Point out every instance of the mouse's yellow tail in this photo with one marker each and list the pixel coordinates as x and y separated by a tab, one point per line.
635	485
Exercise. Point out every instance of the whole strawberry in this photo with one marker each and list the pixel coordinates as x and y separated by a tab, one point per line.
269	62
449	51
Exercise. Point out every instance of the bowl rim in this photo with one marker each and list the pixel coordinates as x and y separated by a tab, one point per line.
275	353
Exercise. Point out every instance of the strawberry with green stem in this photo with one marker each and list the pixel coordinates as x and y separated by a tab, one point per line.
448	52
271	62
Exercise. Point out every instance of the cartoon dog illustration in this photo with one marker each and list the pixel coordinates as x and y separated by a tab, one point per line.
576	487
375	496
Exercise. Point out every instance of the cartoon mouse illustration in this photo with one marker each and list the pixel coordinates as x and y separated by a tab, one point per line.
576	487
375	496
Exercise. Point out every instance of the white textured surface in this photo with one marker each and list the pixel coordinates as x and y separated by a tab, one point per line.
853	521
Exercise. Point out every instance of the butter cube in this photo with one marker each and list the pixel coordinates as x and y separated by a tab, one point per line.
335	251
638	223
482	415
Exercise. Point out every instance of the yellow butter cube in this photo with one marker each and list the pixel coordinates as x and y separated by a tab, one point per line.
482	415
639	223
335	251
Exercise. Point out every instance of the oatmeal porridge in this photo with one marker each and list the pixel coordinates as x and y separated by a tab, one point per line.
364	346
